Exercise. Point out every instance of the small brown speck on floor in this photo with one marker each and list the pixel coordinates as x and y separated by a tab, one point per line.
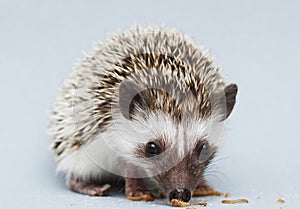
281	201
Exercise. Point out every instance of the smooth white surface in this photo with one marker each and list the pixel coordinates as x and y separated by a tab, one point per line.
256	42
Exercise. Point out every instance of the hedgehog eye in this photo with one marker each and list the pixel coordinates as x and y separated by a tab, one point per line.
204	152
152	149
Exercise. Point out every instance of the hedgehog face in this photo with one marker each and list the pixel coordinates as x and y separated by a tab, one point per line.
175	156
174	149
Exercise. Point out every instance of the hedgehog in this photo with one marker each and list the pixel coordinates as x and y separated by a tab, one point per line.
146	105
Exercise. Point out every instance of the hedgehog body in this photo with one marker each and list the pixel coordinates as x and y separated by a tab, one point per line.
142	104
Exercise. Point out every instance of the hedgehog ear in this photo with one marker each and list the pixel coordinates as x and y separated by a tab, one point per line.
224	101
131	96
230	95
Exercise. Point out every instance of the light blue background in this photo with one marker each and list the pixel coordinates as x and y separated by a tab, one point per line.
256	42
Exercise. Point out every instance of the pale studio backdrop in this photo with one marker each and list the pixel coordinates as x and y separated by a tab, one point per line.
256	42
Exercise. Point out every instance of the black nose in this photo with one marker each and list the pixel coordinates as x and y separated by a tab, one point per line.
180	194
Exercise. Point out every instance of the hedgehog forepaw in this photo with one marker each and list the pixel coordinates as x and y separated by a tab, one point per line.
136	189
88	188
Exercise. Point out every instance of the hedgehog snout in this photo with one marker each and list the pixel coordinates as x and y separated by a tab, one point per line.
180	194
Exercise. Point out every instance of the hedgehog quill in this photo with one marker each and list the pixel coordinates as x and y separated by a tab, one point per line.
145	104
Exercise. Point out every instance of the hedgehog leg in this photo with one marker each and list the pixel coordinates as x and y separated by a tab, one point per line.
203	186
203	189
89	188
136	187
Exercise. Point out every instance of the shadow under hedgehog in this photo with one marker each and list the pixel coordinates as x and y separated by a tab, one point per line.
145	104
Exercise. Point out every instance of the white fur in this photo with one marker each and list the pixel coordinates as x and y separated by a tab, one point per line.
110	149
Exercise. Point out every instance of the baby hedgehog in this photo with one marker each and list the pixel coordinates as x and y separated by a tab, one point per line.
147	104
